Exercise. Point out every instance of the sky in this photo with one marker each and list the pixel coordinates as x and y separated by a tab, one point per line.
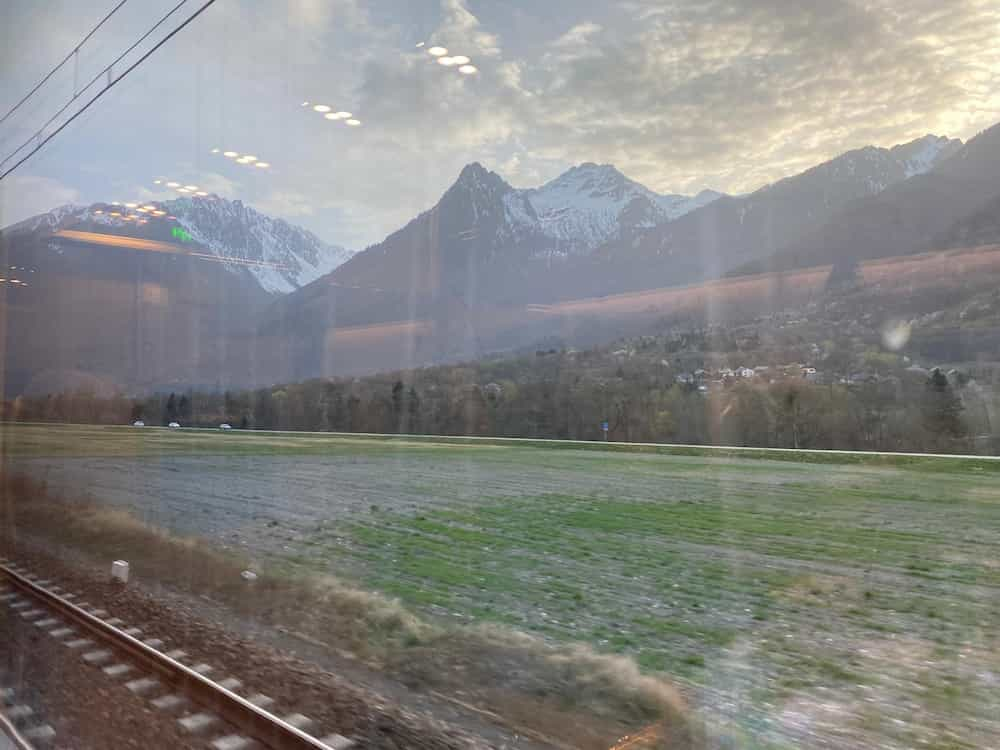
680	96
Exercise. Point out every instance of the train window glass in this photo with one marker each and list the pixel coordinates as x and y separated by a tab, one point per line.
456	373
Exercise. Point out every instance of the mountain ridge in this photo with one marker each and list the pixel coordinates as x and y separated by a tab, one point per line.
912	216
284	257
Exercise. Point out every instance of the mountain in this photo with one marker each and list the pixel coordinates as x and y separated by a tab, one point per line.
923	154
480	243
475	273
592	204
733	231
947	205
593	231
487	242
279	256
165	297
456	280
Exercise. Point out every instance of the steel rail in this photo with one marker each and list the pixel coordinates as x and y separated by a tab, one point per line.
8	730
257	723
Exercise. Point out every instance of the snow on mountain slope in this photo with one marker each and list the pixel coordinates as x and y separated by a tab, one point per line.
923	154
233	229
590	204
47	221
279	256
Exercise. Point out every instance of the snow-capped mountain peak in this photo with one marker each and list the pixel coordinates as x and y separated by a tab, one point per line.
290	256
590	204
279	256
923	154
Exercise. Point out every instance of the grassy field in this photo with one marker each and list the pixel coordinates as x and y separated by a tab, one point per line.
803	601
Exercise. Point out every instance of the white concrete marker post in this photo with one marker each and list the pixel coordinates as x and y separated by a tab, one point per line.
119	571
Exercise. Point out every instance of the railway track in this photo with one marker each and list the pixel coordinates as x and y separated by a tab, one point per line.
119	652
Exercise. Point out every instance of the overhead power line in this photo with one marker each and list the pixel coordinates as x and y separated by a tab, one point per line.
112	82
65	60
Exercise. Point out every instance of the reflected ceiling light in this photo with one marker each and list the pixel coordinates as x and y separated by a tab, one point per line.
116	203
157	182
449	61
321	108
183	190
159	213
190	187
150	208
202	193
420	44
343	115
263	164
468	70
249	158
305	104
131	205
230	154
438	51
332	115
173	184
115	213
215	150
243	160
141	209
353	123
98	211
460	60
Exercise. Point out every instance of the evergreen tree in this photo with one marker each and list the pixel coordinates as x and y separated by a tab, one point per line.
942	408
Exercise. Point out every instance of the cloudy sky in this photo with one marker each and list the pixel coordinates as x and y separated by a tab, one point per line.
681	96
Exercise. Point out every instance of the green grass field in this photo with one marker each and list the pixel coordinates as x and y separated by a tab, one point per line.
804	601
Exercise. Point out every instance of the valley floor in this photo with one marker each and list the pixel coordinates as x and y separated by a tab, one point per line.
797	603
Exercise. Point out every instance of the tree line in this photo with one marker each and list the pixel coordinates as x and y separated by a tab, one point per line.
569	395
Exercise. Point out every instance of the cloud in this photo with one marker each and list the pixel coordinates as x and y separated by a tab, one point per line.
735	94
463	31
23	196
578	35
730	94
288	204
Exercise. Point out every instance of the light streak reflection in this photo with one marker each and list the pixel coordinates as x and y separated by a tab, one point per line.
156	246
